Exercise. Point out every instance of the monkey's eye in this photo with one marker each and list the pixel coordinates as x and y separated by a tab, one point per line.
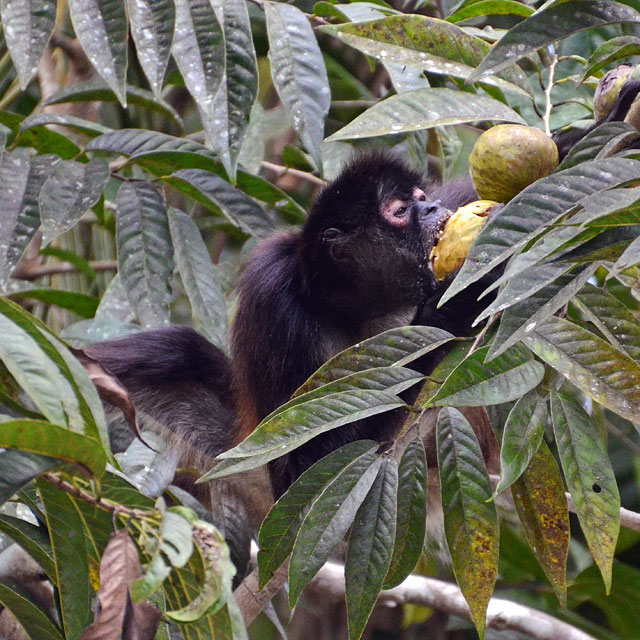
398	213
331	234
419	194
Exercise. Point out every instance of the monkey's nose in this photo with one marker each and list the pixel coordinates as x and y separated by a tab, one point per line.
426	208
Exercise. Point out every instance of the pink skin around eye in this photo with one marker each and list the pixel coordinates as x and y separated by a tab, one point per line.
393	213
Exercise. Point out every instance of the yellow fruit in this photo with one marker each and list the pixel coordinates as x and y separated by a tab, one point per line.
459	233
507	158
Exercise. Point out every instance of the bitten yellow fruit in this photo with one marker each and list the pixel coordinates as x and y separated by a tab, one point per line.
607	92
459	233
509	157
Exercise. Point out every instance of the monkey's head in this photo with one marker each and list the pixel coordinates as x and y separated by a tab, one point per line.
368	237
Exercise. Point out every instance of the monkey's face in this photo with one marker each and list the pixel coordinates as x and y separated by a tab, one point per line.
368	237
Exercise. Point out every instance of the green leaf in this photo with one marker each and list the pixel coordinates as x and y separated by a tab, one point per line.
33	539
145	254
470	519
199	278
70	557
395	347
198	49
298	73
424	109
370	547
27	27
33	618
19	468
223	199
392	380
102	28
607	375
95	90
539	498
539	205
39	138
152	24
616	321
329	519
289	429
80	303
629	257
523	317
590	479
279	529
165	154
605	139
427	44
411	515
548	25
490	7
68	193
475	382
50	440
610	51
232	106
86	127
521	437
21	179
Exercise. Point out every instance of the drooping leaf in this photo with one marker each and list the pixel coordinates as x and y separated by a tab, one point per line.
27	27
411	514
490	7
70	558
599	370
280	528
610	51
47	439
289	429
521	318
298	73
538	495
425	43
86	127
32	538
370	547
145	253
470	520
40	138
198	49
552	23
475	382
93	90
165	154
69	192
152	24
222	198
395	347
19	468
521	437
102	28
590	479
329	519
239	86
616	321
424	109
21	179
35	621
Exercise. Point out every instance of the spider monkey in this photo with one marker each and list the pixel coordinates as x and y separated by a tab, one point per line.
357	267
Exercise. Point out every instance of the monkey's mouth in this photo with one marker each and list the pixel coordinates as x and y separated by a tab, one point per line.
434	227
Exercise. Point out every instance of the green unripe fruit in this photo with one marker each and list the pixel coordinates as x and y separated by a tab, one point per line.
508	158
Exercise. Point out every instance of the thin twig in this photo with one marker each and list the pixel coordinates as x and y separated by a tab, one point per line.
32	273
547	93
280	171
